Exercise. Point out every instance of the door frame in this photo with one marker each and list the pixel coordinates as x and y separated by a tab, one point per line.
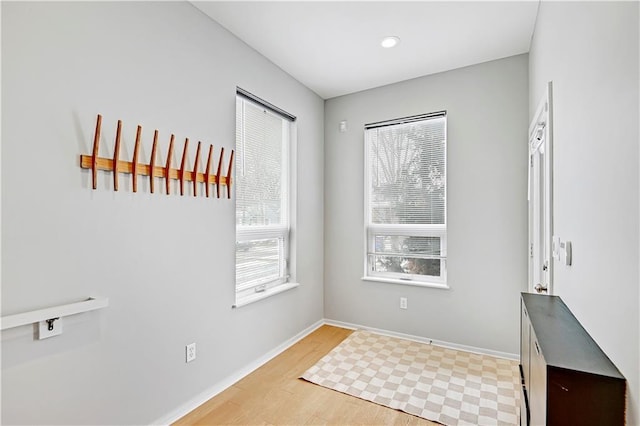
541	137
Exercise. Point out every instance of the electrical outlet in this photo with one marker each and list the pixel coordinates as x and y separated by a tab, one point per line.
403	303
191	352
49	328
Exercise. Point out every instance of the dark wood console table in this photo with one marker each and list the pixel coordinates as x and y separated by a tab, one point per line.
566	378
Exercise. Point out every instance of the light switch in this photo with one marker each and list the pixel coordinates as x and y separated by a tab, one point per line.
567	253
555	247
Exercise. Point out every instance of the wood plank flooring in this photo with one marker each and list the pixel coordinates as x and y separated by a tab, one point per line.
273	394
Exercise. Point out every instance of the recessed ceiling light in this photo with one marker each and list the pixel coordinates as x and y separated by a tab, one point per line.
389	41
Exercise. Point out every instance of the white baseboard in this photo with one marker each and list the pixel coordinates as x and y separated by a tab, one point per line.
420	339
223	384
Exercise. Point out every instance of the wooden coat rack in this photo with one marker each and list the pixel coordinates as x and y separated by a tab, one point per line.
152	170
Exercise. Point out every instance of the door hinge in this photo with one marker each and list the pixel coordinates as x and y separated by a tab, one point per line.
531	250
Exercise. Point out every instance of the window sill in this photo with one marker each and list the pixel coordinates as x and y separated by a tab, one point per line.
247	300
441	286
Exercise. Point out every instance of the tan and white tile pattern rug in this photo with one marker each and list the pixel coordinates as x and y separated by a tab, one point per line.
439	384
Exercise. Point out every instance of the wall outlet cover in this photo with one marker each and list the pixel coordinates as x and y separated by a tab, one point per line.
190	352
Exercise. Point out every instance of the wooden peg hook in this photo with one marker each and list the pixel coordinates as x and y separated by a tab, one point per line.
152	164
183	163
94	156
167	169
229	175
207	173
195	171
219	174
116	156
136	151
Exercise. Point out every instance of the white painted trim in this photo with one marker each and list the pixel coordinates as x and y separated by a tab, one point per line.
541	128
256	297
416	283
427	340
223	384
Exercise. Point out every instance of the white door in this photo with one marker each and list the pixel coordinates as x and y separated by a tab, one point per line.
540	198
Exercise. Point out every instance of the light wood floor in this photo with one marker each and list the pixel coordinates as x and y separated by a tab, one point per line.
273	394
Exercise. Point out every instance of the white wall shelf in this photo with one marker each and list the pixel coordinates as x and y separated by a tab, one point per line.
32	317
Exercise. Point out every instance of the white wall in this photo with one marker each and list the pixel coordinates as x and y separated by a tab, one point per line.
165	262
593	63
487	207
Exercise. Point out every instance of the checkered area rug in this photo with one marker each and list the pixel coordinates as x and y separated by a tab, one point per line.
438	384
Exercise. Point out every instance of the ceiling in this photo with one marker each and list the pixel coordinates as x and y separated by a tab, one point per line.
333	47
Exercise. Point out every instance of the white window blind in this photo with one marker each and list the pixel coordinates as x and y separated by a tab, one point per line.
262	197
406	199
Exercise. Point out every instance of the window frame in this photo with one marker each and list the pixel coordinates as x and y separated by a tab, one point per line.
412	230
256	290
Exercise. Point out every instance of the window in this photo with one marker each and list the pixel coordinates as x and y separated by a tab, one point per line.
405	200
262	198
